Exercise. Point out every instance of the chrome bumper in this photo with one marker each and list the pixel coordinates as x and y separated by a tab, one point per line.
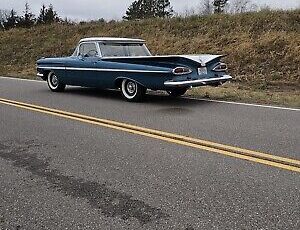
40	75
198	82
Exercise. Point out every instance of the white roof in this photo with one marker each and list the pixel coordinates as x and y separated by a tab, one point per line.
111	39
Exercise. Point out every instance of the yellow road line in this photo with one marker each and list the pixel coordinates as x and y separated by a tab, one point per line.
245	154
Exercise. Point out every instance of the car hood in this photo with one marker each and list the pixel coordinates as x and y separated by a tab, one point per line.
60	60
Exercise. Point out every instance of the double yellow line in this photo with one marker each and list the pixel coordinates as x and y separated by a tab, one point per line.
245	154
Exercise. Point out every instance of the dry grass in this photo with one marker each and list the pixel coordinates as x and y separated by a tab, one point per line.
234	92
263	48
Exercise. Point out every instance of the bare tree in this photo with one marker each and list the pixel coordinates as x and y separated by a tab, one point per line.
187	12
264	7
253	7
3	15
206	7
242	6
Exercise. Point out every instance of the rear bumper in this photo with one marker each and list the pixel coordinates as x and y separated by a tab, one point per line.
40	75
198	82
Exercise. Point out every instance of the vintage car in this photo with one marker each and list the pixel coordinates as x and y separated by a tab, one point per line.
127	64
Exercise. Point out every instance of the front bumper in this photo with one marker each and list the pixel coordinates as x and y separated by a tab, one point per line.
198	82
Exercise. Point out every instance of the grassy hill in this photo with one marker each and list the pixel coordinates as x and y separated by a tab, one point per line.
263	49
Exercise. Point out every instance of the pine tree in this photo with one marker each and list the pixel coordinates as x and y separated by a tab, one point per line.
28	19
11	20
51	15
219	6
163	9
141	9
42	16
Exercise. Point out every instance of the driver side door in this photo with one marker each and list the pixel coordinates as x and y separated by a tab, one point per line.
81	72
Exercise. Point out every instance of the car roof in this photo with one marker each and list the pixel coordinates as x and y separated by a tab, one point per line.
113	40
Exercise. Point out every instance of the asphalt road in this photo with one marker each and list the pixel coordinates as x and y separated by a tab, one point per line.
57	173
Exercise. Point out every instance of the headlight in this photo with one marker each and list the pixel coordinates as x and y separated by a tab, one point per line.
181	70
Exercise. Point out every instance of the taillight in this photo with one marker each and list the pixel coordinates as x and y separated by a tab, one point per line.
181	70
220	67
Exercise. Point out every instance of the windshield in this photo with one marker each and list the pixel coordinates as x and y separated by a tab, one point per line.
123	50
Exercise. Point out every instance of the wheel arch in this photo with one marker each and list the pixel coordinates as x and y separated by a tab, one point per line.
118	82
45	74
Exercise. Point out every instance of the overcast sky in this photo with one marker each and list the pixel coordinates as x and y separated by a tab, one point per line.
114	9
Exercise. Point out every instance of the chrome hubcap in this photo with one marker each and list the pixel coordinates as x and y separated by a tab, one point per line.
131	87
54	80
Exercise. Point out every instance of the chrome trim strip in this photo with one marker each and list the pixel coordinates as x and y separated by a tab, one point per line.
104	70
40	75
50	67
112	39
200	81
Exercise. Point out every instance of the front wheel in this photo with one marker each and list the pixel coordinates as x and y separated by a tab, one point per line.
132	91
54	83
177	92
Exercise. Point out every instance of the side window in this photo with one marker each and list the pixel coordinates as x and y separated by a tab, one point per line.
88	50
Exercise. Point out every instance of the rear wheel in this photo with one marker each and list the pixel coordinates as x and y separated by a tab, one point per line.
54	83
177	92
132	91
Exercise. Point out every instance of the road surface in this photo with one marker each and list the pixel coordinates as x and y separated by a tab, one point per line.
73	160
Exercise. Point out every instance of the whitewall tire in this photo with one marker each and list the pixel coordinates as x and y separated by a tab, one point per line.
54	83
132	91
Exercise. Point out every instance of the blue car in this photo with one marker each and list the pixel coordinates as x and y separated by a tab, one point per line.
127	64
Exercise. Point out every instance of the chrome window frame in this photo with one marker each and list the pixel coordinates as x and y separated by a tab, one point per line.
88	42
97	43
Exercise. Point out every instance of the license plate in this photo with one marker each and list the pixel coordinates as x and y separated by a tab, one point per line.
202	70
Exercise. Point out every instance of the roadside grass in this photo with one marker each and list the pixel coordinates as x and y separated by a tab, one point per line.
234	92
263	49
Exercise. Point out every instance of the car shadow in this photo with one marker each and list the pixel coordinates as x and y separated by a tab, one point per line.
152	97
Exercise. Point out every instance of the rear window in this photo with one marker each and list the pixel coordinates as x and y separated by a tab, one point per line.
123	50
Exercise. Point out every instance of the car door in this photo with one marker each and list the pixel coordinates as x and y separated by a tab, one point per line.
82	69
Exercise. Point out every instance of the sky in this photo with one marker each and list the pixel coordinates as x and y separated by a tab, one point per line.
114	9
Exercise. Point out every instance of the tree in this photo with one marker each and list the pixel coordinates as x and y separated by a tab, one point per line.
42	16
219	6
206	7
11	20
241	6
28	19
51	15
141	9
3	14
163	9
